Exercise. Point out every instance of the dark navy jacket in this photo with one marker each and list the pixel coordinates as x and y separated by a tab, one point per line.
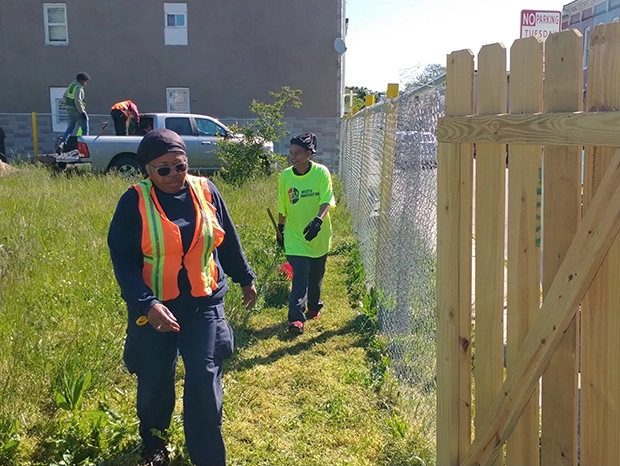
125	239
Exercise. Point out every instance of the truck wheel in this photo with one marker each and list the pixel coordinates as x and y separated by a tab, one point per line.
128	167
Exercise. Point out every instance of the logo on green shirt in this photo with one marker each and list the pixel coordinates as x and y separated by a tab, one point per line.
293	195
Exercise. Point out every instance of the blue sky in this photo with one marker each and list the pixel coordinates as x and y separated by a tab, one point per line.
387	38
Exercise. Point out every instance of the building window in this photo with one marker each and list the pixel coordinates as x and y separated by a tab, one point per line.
59	114
175	23
586	47
177	99
600	8
55	16
175	20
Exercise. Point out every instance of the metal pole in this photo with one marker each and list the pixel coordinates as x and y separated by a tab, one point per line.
35	134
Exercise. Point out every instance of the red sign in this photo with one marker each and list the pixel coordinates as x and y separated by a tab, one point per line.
540	23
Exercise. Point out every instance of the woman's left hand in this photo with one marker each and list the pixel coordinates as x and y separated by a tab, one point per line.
249	296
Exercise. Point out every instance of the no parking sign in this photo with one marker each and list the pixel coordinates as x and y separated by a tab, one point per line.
540	23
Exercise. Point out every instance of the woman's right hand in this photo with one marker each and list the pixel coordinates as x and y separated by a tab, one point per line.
280	235
162	319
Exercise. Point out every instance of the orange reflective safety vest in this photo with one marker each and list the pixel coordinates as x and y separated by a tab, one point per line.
162	247
128	108
123	106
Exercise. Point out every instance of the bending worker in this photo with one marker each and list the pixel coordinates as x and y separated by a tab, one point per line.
171	240
122	113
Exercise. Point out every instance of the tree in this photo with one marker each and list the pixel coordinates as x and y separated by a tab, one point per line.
356	97
246	158
426	76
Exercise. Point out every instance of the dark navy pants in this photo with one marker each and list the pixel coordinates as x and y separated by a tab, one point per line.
204	341
308	275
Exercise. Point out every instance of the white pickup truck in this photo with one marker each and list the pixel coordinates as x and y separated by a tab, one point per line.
104	153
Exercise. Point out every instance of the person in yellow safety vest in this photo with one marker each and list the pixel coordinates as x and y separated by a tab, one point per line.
171	242
122	113
73	101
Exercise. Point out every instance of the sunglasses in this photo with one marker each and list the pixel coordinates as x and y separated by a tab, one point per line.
165	171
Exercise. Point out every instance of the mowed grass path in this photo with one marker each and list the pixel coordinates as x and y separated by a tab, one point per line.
304	400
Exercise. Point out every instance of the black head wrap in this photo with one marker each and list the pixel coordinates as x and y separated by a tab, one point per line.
305	140
159	142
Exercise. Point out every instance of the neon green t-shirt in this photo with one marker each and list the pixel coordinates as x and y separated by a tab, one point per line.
299	198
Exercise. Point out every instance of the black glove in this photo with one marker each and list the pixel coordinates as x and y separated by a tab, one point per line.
83	115
280	236
313	228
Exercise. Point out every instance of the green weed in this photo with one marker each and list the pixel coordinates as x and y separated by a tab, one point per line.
9	439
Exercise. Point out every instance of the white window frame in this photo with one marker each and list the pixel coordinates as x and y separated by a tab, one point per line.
175	35
59	114
48	41
169	105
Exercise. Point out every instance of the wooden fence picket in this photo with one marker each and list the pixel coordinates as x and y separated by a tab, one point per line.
600	370
563	91
454	229
526	62
489	235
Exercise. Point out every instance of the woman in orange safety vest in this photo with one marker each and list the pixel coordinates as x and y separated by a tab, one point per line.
172	243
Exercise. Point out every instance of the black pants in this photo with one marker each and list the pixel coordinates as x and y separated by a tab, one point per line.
308	275
2	149
204	341
120	122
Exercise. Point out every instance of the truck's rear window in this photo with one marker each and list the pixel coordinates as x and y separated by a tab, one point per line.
180	125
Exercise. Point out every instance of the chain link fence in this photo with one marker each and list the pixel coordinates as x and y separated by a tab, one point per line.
389	171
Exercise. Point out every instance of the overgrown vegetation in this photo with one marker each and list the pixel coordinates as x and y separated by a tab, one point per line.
67	400
246	159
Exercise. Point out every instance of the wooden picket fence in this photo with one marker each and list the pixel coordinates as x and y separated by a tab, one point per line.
556	279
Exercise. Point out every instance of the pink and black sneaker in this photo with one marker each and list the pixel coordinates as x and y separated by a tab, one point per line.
296	328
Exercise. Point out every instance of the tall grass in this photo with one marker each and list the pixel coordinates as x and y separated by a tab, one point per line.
67	398
61	310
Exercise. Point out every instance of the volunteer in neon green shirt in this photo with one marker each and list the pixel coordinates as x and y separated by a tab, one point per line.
304	197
